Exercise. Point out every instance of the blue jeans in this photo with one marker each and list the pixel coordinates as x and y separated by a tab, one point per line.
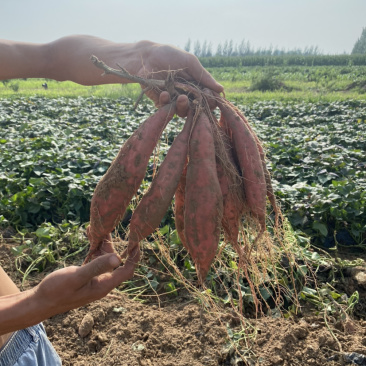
29	347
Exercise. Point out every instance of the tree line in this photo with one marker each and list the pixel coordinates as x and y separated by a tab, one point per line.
244	48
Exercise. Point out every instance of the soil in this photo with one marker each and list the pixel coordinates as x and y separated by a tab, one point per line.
120	331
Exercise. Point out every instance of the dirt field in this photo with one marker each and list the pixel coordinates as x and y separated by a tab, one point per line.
120	331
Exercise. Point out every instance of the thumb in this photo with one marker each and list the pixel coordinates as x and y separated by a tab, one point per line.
103	264
122	274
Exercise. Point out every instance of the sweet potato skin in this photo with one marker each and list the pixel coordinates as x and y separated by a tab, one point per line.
250	163
179	207
203	198
233	197
153	206
270	193
117	187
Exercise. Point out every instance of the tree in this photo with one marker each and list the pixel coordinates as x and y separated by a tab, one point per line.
230	48
187	47
244	48
219	50
225	48
197	48
360	45
241	48
204	49
209	50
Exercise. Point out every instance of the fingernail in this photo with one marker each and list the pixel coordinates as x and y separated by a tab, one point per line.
114	261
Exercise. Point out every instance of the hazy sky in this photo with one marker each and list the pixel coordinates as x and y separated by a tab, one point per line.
332	25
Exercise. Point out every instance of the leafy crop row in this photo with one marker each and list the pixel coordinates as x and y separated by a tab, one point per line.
54	151
288	60
317	158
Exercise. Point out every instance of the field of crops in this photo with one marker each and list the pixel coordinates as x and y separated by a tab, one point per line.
54	151
243	84
56	144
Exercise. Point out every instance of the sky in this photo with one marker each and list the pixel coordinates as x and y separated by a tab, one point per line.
332	25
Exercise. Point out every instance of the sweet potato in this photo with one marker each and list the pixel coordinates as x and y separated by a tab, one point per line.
154	204
270	193
179	207
203	198
117	187
250	163
233	197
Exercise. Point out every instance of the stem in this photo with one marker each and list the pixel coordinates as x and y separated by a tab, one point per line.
123	73
160	85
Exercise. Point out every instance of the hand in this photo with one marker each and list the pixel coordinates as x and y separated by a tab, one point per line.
72	287
71	61
158	60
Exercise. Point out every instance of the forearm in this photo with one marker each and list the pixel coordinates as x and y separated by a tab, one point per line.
68	58
7	286
21	60
19	311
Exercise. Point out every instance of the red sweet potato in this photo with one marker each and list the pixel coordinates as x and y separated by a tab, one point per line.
233	197
179	207
250	163
270	193
203	198
117	187
154	204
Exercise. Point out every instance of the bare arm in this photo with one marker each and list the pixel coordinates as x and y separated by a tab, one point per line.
62	290
68	58
7	285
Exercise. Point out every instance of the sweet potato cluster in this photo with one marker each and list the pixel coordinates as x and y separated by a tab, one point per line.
215	169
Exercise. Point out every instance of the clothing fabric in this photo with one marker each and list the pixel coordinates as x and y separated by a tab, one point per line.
29	347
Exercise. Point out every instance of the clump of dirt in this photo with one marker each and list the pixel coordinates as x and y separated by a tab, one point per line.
121	331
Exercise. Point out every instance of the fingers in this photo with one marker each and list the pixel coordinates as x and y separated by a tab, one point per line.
200	74
100	265
182	101
164	98
124	273
182	105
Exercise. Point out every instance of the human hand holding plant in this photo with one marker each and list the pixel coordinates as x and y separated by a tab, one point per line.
63	290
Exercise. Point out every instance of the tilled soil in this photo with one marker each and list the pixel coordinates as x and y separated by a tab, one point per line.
120	331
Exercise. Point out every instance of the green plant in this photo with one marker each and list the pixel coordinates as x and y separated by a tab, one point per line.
48	245
14	87
268	81
54	151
